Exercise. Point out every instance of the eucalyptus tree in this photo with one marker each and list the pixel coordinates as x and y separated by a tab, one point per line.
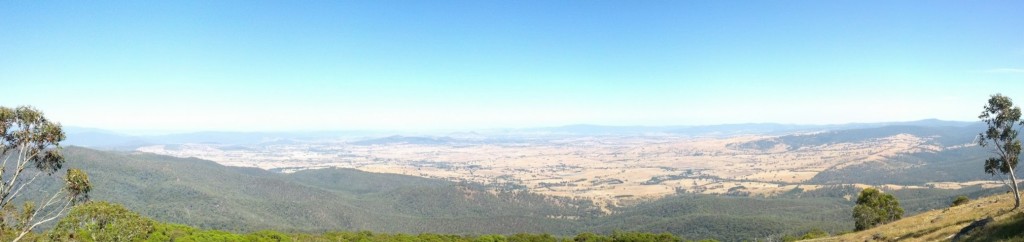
30	148
875	208
1003	120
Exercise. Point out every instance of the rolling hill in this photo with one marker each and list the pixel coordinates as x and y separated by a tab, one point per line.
956	158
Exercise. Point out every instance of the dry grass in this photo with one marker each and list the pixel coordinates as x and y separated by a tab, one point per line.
941	225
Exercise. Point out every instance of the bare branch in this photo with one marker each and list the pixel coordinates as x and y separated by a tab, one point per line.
3	166
15	194
4	191
49	202
21	162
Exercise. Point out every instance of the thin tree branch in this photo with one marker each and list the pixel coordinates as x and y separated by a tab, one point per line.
51	201
3	167
15	194
3	187
30	227
22	160
17	173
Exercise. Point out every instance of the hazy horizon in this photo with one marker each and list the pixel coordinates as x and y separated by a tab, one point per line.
387	132
467	65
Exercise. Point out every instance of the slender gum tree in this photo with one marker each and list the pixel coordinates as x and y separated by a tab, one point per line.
1003	121
30	149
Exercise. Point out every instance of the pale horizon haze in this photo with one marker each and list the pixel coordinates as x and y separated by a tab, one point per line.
465	65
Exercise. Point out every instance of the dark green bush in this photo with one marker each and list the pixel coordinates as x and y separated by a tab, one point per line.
960	200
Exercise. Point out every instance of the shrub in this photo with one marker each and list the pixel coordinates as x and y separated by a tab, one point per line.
102	221
960	200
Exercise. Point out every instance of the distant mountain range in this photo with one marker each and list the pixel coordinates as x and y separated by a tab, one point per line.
731	129
98	138
398	139
942	135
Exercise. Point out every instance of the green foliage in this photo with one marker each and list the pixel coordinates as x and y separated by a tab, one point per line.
960	200
25	217
491	238
591	237
167	232
1002	118
643	237
522	237
102	221
814	234
268	236
874	208
36	138
211	235
77	185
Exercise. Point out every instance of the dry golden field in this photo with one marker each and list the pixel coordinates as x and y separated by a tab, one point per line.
610	170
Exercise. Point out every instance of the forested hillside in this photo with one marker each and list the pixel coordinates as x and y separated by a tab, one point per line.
103	221
208	195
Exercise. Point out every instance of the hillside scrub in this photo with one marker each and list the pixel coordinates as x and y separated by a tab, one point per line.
943	224
104	221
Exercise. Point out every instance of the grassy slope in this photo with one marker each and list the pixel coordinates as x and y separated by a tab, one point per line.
942	224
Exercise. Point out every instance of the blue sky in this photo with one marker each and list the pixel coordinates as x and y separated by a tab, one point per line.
422	65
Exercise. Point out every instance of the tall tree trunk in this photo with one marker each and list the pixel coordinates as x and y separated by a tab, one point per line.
1016	192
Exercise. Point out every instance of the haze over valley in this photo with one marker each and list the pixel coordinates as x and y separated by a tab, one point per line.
617	166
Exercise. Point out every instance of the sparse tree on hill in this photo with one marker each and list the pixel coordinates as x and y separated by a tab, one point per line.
30	149
875	208
1002	118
